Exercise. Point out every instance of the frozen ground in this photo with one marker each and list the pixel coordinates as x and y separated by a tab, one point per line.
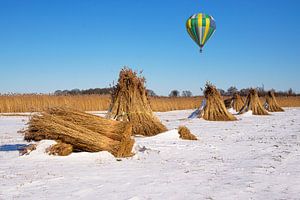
257	157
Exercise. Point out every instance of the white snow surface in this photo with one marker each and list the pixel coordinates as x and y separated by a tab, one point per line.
256	157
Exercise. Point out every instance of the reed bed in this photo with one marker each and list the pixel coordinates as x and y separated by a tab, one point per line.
287	101
37	103
163	104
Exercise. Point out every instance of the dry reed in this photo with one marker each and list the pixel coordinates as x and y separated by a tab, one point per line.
109	128
163	104
130	103
271	103
37	103
228	103
60	149
253	103
77	129
237	102
185	133
215	109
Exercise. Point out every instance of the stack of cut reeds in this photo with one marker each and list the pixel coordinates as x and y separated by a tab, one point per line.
271	103
130	103
185	133
85	132
253	103
214	109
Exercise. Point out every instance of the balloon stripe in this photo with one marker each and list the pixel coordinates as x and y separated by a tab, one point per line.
211	30
192	36
194	21
206	29
189	27
188	24
197	27
212	23
200	28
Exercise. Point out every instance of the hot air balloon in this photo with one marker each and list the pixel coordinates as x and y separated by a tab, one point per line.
201	27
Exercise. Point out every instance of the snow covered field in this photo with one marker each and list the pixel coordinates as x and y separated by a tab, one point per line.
257	157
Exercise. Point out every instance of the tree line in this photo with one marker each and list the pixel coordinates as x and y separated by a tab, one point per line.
173	93
99	91
231	90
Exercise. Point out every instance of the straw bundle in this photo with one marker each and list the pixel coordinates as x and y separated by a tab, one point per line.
130	103
214	109
237	102
78	129
185	133
109	128
271	103
60	149
228	103
253	103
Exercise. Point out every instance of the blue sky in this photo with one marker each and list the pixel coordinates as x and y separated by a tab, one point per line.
46	45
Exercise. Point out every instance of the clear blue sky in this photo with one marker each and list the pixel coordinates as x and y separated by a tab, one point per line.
46	45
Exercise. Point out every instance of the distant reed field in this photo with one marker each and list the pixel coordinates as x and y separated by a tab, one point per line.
36	103
288	101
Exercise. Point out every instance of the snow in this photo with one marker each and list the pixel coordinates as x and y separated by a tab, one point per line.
256	157
234	112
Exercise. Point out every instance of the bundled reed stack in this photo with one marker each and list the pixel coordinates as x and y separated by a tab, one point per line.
228	103
214	108
271	104
130	104
84	132
237	102
60	149
253	103
185	133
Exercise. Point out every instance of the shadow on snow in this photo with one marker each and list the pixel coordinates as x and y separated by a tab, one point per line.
12	147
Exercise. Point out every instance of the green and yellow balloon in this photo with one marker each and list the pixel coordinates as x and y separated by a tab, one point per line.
200	28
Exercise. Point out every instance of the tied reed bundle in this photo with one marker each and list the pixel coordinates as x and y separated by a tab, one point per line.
130	104
85	132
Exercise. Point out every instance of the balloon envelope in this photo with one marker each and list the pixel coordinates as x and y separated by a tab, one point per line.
200	28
